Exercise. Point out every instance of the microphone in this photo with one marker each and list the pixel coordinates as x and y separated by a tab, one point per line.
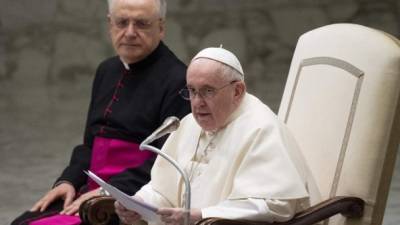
169	125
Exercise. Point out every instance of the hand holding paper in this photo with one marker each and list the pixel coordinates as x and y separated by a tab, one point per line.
126	216
147	211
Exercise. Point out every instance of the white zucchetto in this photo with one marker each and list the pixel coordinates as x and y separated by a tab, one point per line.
221	55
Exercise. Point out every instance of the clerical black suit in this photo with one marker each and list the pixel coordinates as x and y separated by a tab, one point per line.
127	105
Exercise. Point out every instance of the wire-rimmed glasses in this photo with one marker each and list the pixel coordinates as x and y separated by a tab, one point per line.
189	93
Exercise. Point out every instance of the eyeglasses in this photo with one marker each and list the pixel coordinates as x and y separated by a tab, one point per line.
189	93
139	24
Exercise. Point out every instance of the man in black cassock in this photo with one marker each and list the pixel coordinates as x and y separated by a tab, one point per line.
132	95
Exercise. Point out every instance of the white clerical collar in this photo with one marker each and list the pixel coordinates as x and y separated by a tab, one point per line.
209	133
126	65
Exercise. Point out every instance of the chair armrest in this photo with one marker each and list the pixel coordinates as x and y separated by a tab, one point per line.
351	207
97	210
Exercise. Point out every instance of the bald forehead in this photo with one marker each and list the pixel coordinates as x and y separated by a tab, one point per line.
114	4
205	67
205	63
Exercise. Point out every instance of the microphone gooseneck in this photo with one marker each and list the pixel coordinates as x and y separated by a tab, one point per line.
169	125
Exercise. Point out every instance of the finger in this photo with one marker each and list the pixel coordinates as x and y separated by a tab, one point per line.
131	218
46	202
129	215
120	209
42	204
72	209
119	206
37	206
64	210
69	197
164	212
166	219
68	210
43	207
75	206
50	197
123	220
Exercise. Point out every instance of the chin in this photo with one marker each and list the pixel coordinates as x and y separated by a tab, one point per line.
206	123
208	127
130	59
204	126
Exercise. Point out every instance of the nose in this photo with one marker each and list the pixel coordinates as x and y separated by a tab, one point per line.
130	30
197	100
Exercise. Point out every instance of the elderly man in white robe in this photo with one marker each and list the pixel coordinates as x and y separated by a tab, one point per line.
241	161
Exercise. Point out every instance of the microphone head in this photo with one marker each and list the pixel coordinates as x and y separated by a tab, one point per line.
169	125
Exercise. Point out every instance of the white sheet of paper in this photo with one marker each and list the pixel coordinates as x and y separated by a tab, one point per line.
147	211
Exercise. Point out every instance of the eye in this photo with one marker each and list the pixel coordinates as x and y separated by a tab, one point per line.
142	24
208	92
121	22
191	90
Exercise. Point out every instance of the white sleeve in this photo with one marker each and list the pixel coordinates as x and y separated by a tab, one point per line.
270	210
149	195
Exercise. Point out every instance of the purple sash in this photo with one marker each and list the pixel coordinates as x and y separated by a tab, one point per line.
109	157
58	219
112	156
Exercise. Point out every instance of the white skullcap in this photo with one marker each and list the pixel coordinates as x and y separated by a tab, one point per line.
221	55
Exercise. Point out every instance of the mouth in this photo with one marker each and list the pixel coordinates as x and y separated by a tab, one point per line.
127	45
202	115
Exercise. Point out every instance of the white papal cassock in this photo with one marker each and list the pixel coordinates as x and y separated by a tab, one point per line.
250	169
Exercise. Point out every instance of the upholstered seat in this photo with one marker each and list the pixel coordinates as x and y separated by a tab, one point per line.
341	101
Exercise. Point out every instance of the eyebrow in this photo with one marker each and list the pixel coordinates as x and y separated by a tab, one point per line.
202	87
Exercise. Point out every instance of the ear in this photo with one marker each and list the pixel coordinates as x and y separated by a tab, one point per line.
109	18
240	90
162	28
109	21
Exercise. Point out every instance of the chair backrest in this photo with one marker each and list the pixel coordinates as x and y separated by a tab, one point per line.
341	101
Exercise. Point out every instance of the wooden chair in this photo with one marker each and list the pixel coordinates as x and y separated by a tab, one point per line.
341	101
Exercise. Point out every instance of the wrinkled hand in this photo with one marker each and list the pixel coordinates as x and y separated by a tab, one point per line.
65	191
125	215
176	216
73	208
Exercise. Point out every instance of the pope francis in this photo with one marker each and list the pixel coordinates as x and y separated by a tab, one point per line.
241	160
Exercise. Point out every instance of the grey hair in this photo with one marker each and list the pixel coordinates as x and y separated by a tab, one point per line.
162	7
229	73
